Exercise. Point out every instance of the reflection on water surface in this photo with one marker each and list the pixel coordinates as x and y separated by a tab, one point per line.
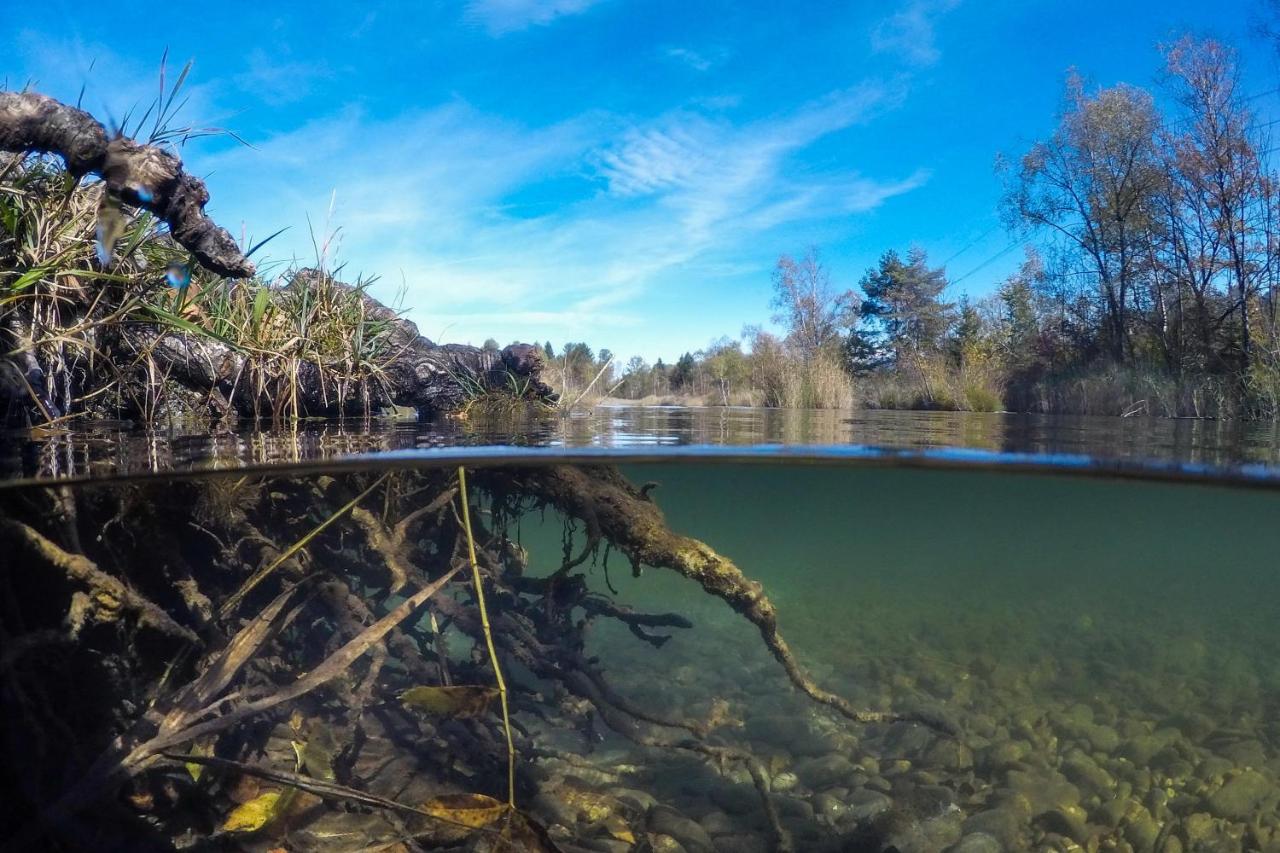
101	450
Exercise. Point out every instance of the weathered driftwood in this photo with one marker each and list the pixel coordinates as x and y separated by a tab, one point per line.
144	176
211	376
426	375
199	372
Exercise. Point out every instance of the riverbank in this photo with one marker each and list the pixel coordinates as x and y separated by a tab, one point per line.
120	298
1102	390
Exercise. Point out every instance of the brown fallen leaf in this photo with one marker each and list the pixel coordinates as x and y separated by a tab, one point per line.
471	810
460	702
244	789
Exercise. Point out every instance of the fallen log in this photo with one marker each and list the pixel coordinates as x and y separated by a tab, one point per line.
105	350
145	176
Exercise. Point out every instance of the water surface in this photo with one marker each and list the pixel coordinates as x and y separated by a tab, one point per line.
98	450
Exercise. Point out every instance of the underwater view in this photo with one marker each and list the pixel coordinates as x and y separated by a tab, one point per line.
695	654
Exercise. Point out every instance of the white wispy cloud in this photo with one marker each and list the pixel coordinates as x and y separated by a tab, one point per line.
654	158
699	60
500	17
440	197
910	33
716	176
277	81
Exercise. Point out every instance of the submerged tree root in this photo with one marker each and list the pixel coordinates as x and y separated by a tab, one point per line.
547	654
281	627
615	510
107	597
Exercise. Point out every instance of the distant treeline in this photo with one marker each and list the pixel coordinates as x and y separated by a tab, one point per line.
1152	243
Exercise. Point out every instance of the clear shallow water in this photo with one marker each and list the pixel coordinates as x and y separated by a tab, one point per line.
1107	651
1113	649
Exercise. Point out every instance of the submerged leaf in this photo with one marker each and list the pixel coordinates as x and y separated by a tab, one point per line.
203	748
253	815
316	753
450	701
473	810
619	830
506	828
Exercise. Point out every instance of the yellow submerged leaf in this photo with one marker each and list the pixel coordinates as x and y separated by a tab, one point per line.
617	827
473	810
590	806
450	701
514	830
204	749
253	815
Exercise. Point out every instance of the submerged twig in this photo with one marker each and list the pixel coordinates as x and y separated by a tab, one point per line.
312	785
107	593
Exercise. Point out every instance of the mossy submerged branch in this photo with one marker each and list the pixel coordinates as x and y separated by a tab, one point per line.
614	509
107	597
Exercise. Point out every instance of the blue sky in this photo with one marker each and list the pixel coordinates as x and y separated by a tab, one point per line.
623	172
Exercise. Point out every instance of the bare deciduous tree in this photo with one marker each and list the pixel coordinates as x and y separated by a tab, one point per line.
1093	183
811	308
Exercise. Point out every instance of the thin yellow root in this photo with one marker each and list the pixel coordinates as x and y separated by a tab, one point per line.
488	636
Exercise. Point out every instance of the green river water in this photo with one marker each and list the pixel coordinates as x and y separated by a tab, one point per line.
1103	647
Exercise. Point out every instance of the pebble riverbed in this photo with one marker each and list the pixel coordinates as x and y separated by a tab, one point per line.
1076	733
